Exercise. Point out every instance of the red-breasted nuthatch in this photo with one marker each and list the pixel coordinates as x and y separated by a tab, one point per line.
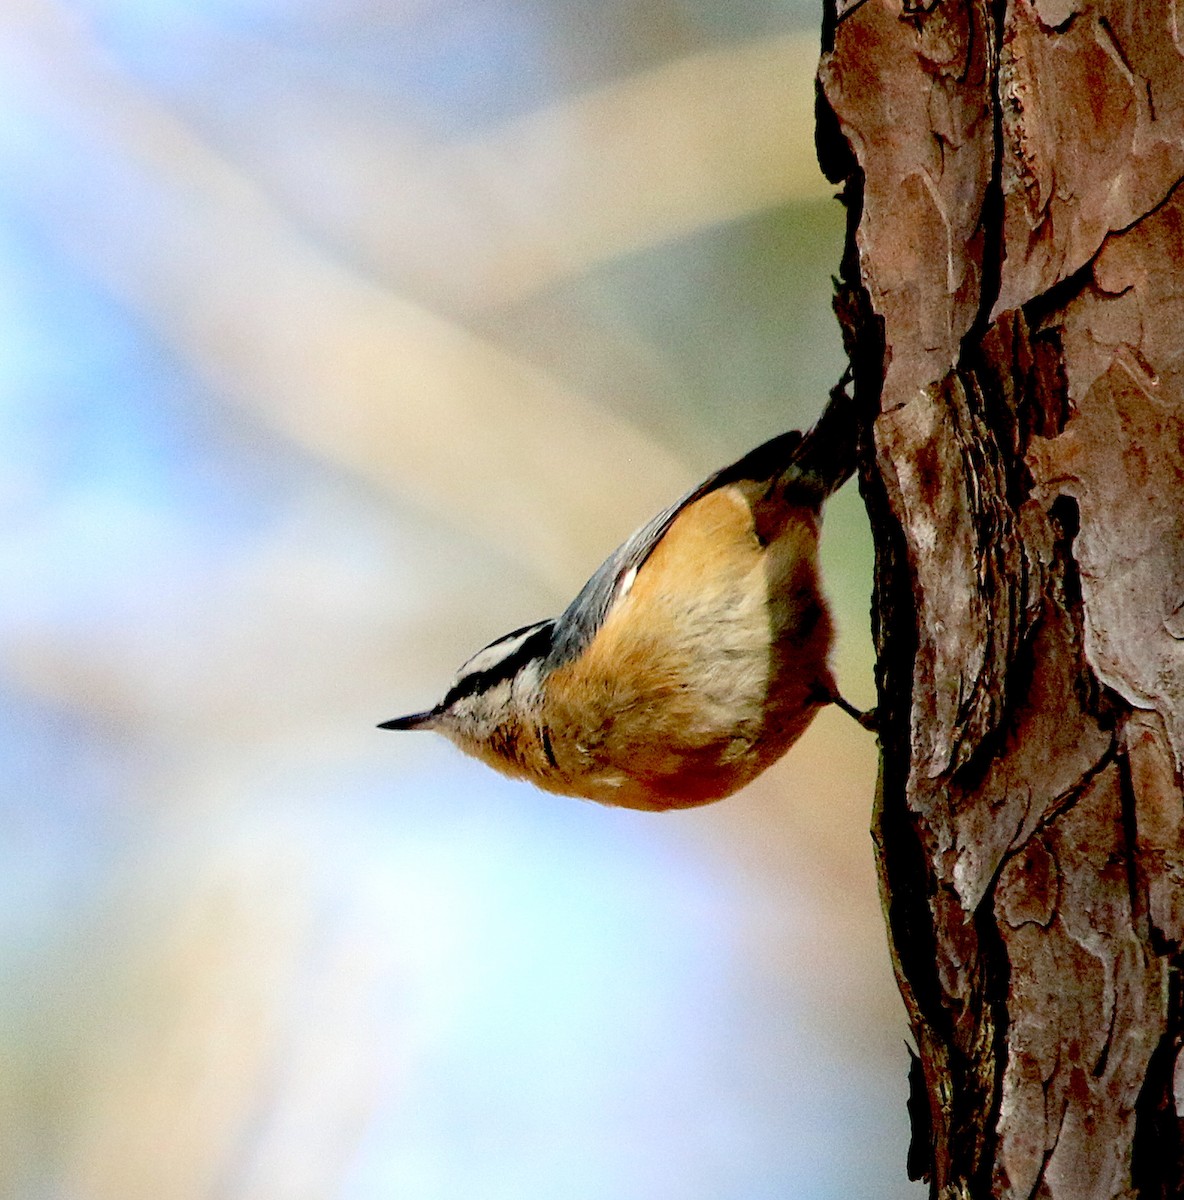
690	661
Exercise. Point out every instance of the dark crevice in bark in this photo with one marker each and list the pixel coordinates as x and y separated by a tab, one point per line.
996	968
1116	45
1157	1157
991	216
1151	211
1045	407
1061	804
1143	863
1105	706
919	1164
1057	298
1140	917
902	865
1066	518
991	453
1004	383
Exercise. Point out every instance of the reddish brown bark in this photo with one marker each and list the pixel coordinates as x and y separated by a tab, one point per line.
1013	301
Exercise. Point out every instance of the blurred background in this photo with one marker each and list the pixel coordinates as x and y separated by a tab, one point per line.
338	337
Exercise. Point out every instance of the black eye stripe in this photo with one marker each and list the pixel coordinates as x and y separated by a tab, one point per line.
537	645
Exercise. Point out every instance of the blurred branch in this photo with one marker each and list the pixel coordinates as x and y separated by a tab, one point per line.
381	386
696	142
517	208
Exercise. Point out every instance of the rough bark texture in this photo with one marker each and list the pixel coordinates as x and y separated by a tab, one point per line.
1013	302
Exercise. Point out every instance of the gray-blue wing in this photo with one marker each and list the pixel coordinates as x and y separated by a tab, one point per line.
576	628
586	613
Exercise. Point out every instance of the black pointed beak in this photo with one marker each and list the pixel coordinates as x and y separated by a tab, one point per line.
423	720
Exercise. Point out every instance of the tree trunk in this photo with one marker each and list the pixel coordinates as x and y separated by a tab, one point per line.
1013	303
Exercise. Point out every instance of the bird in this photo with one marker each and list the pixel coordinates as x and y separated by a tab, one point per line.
691	660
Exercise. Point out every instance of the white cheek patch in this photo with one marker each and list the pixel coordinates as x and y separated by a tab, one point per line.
476	716
526	682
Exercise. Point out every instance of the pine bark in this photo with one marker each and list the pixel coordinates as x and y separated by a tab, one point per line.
1012	297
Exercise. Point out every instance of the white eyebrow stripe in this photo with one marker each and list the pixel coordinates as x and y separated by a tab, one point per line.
485	660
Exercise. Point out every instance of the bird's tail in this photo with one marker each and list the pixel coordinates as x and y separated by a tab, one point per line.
824	457
804	467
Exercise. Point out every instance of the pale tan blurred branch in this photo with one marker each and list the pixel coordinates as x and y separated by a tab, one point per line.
696	142
373	382
533	202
